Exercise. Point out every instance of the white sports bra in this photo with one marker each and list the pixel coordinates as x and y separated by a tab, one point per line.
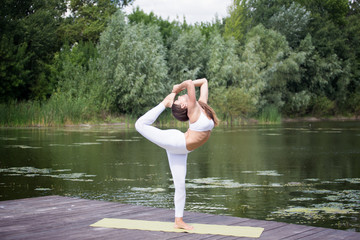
203	124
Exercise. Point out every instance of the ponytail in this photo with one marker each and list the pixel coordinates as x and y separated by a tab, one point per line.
210	112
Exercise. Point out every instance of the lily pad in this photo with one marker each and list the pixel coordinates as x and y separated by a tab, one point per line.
149	189
273	173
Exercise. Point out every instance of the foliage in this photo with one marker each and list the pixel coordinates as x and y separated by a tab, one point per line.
322	106
291	22
238	22
270	114
28	41
207	29
232	103
354	103
87	19
166	28
76	95
187	56
297	103
78	59
132	63
222	68
13	72
260	11
267	66
55	112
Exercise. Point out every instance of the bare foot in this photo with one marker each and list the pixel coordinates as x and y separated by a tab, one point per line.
180	224
169	99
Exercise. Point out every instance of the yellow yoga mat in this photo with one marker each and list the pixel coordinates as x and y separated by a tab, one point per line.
237	231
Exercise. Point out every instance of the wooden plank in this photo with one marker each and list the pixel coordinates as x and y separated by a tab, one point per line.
285	231
56	228
332	234
46	219
70	221
305	234
58	217
132	212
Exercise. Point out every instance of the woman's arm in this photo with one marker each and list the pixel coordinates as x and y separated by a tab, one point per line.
204	91
192	106
168	100
202	83
190	87
177	88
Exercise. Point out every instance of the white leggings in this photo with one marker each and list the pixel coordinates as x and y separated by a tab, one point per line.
173	141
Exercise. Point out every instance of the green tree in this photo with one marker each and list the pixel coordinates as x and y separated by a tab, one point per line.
323	76
291	22
237	24
86	19
28	42
232	103
260	11
352	32
70	68
187	56
222	68
334	10
267	66
208	28
76	93
132	65
13	73
166	27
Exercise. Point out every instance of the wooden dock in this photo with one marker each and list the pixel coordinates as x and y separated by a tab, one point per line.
56	217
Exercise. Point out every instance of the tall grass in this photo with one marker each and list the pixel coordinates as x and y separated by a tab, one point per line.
19	114
55	112
59	111
269	115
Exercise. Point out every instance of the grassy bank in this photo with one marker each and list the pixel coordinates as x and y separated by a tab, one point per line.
30	114
59	114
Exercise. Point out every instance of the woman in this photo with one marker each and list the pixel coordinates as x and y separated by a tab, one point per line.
177	144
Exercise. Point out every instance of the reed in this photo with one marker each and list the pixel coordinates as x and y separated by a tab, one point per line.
19	114
62	112
269	115
52	113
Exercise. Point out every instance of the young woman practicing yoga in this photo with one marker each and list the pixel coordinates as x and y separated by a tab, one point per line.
177	144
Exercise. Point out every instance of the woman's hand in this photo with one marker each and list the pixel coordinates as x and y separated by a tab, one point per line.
169	100
180	87
176	89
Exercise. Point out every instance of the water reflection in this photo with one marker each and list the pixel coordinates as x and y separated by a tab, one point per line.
298	173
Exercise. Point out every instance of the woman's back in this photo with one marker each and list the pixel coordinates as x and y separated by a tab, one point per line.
199	131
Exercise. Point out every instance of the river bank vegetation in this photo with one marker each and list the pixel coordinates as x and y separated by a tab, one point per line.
81	61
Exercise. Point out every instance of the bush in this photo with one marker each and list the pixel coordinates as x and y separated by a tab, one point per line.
354	103
297	104
232	103
322	106
132	64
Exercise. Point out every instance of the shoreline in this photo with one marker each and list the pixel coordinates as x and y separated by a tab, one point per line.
250	121
321	119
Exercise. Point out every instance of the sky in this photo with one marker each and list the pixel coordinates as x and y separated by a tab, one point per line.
193	10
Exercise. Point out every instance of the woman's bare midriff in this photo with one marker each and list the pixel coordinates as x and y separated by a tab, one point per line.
195	139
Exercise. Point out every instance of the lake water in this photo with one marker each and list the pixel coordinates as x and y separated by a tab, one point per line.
296	172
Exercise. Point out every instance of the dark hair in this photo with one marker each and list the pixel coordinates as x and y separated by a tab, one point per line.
179	113
210	112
